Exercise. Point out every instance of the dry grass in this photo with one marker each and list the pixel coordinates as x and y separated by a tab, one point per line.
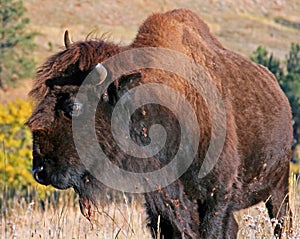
23	219
122	220
255	222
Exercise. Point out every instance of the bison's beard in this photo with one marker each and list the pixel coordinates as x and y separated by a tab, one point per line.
87	207
89	190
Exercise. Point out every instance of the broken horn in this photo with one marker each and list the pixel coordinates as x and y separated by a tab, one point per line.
67	40
97	75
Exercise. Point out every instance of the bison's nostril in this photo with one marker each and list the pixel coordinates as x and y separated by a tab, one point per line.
39	175
37	169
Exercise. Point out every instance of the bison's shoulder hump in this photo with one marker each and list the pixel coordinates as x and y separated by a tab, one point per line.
168	30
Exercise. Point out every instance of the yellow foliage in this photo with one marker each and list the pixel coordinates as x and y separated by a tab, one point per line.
15	146
295	167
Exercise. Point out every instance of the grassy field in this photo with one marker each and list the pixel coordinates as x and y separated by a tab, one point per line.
60	217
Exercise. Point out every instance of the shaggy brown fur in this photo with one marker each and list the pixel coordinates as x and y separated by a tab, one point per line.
254	163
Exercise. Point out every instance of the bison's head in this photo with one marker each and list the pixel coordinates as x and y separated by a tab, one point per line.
55	159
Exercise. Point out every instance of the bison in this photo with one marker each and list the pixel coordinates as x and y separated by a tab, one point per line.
251	127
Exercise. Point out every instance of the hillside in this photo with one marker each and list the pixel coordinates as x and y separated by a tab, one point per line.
240	25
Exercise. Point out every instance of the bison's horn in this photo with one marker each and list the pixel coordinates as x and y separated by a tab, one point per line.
67	40
97	75
102	73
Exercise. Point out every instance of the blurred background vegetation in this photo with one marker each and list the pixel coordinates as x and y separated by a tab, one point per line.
288	76
22	43
16	44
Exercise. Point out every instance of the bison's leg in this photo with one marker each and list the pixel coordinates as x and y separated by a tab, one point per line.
217	221
160	225
277	204
176	214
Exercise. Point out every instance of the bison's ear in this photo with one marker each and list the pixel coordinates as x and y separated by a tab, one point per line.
115	91
125	83
129	80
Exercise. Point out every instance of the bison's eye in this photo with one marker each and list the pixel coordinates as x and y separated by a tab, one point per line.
105	97
75	109
72	109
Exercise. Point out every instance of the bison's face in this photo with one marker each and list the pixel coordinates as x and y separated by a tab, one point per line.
55	159
54	153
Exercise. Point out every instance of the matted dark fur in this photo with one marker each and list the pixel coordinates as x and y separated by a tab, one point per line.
254	163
